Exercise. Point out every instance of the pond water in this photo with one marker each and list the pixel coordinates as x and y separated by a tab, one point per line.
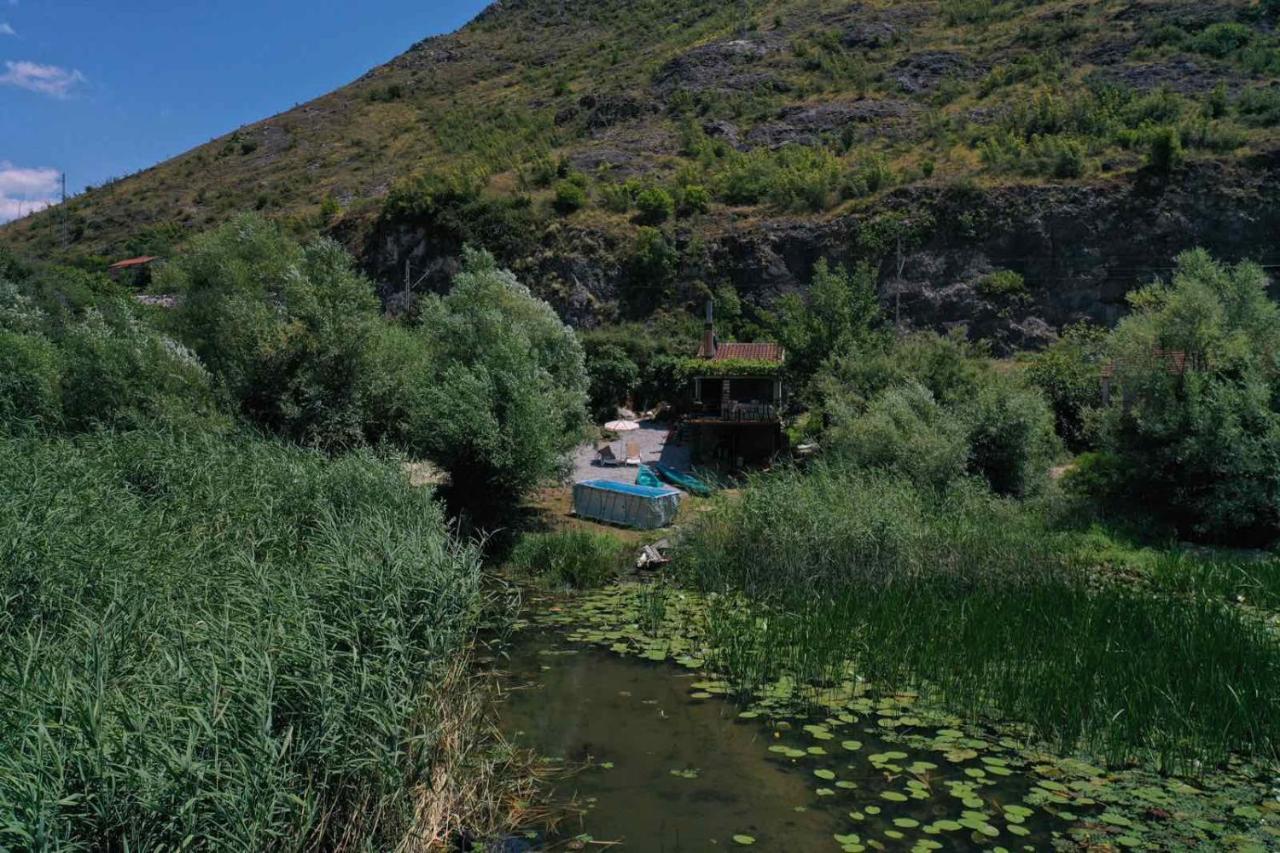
665	770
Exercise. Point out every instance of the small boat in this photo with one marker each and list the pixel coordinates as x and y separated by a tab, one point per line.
679	479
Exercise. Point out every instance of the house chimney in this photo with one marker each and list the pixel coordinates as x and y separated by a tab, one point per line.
708	347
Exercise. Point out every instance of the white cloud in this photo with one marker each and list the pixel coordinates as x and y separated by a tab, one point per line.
45	79
6	29
24	191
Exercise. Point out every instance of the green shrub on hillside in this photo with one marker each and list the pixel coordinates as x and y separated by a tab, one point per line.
1165	153
1259	107
1222	39
1002	284
570	197
794	177
655	205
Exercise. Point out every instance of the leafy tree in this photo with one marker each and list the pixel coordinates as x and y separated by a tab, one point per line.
949	367
502	395
904	429
841	310
288	330
1195	434
1069	373
614	376
1010	435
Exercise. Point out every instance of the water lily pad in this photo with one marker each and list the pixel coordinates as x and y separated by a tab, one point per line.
893	796
744	840
851	745
824	774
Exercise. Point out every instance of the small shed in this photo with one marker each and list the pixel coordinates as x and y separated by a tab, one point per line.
135	272
643	507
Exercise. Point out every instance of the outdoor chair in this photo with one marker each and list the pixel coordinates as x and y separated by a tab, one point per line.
633	453
605	455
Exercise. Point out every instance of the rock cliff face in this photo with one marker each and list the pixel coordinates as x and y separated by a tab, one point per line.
1079	248
943	142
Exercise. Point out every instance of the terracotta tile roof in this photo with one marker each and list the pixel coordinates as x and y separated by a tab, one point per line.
729	351
1175	363
132	262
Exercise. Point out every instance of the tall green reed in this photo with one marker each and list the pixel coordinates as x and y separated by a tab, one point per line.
217	642
972	598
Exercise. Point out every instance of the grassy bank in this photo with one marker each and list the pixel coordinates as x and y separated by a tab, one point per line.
975	599
221	642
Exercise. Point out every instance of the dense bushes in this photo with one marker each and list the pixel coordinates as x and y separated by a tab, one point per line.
1069	373
286	329
221	643
30	382
489	384
794	177
1195	432
932	408
83	368
905	430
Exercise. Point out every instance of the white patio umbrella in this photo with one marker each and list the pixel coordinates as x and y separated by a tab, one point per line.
621	426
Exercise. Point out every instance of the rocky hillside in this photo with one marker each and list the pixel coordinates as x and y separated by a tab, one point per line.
1012	166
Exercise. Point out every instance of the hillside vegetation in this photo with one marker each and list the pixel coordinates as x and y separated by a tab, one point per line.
605	149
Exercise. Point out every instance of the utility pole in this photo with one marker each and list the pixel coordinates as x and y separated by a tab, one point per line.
62	208
897	288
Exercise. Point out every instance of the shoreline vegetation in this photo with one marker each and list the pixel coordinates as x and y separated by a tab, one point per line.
230	620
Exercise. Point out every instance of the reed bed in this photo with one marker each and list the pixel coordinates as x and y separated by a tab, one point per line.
220	642
974	600
577	559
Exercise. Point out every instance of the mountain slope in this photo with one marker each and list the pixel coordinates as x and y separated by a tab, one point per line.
756	137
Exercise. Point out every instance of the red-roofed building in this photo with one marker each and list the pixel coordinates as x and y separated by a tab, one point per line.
737	398
133	271
1174	362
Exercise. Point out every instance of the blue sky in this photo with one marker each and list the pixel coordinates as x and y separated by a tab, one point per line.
101	88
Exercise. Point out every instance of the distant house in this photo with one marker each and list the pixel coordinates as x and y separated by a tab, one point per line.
135	272
1174	362
737	398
